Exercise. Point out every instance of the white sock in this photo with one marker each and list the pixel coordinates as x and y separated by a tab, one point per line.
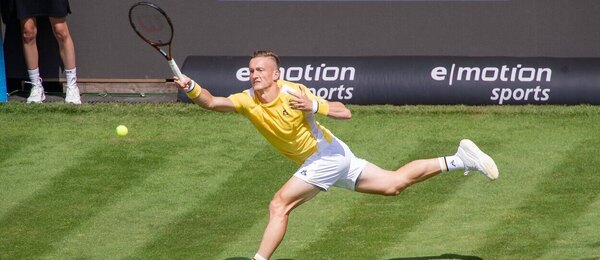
259	257
34	75
71	76
451	163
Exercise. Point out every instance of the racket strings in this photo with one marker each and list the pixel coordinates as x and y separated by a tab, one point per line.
151	25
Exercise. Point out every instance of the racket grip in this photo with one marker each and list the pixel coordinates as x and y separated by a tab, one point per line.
175	69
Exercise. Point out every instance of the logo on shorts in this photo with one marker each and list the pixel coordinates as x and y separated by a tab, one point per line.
285	113
303	172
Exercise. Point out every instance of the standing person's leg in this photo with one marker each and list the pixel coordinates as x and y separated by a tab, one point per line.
291	195
30	51
67	53
468	157
65	42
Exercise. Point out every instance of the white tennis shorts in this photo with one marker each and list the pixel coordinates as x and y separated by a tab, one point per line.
336	166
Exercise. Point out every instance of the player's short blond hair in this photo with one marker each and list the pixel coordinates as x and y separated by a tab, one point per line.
266	53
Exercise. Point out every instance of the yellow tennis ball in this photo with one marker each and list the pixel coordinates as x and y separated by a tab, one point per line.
122	130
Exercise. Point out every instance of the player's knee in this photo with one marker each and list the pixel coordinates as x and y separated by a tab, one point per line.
396	187
277	208
394	190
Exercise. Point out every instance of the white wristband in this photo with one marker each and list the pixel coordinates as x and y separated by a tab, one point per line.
315	107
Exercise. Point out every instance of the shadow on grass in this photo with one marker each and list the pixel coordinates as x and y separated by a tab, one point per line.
443	256
247	258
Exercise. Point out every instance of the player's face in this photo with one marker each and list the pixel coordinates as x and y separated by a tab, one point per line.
263	72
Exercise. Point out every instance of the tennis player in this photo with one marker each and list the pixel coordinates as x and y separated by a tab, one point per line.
285	114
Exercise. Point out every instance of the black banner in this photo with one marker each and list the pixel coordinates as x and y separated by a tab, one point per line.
418	79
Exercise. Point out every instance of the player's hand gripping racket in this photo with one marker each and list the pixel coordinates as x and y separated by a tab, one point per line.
154	26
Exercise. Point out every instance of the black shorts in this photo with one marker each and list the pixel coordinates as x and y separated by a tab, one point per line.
22	9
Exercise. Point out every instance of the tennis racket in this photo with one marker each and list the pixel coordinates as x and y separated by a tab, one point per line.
154	26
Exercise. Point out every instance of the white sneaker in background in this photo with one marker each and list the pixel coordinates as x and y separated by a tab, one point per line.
73	96
37	93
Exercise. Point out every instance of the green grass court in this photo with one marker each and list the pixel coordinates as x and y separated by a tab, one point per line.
193	184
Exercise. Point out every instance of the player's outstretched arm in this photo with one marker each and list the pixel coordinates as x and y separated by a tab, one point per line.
202	97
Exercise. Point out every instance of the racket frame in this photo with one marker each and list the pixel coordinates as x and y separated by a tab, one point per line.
168	55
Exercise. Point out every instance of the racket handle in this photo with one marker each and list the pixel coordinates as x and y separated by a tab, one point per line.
175	69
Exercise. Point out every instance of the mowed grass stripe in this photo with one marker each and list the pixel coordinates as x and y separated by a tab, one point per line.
226	214
24	170
188	176
388	136
562	197
74	196
199	153
142	211
581	241
12	141
467	219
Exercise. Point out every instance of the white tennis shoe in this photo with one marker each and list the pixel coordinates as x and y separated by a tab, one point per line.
476	160
37	93
73	96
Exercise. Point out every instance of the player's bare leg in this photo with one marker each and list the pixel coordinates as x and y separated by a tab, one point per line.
379	181
468	158
291	195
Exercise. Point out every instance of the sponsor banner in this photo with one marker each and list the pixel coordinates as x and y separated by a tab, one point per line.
401	80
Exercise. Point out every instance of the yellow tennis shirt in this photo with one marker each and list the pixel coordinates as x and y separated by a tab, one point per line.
294	133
